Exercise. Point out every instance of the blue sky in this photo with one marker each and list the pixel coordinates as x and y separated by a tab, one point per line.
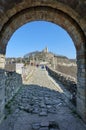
37	35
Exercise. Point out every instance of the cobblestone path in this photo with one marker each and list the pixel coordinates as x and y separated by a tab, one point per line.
40	105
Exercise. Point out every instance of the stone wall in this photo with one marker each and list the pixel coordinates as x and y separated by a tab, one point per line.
12	85
67	69
69	82
2	94
27	72
10	82
10	67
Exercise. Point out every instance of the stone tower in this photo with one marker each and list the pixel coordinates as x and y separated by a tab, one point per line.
45	50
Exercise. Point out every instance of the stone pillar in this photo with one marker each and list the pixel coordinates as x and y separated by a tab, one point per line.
2	61
81	85
2	86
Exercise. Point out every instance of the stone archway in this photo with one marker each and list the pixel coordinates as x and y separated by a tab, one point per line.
60	13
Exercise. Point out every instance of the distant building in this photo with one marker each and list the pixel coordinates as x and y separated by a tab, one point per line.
45	50
19	67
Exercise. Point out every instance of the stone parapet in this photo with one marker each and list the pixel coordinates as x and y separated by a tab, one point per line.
69	82
10	83
13	83
27	73
2	93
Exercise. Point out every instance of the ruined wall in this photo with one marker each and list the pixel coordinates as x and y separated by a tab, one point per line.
13	83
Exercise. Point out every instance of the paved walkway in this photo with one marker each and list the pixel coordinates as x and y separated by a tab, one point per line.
40	105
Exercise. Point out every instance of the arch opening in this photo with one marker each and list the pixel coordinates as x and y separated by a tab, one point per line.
65	21
49	35
42	32
42	13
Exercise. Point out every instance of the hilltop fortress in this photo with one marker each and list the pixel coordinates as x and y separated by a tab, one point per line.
57	62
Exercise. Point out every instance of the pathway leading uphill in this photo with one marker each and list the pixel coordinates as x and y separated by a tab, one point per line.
40	105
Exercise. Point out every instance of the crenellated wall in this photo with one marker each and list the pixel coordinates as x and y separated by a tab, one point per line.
13	83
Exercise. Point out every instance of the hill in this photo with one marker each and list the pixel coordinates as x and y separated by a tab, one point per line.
57	62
